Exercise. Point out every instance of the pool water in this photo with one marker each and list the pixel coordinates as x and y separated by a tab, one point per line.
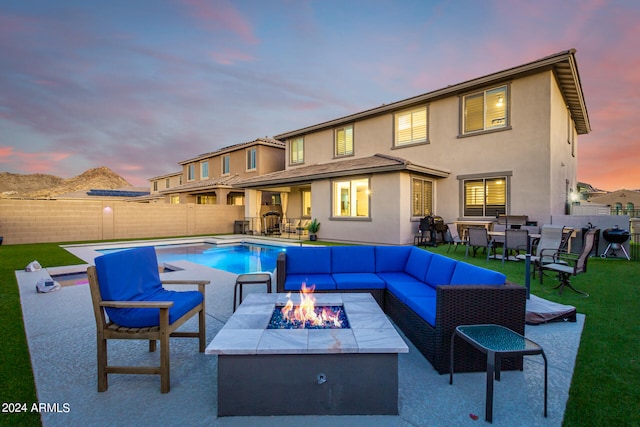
238	259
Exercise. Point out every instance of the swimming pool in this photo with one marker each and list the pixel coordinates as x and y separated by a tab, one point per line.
237	258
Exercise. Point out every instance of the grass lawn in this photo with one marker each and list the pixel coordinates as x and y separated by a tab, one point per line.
606	384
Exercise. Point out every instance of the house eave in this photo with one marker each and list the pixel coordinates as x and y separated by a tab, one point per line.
570	86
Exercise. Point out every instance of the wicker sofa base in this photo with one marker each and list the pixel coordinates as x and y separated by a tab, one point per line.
435	342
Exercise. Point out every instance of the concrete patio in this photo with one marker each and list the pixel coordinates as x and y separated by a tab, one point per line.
60	329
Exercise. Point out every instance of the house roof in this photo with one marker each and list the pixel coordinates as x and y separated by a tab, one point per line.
260	141
563	65
374	164
207	184
166	175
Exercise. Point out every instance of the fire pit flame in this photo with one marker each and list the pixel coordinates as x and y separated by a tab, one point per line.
306	314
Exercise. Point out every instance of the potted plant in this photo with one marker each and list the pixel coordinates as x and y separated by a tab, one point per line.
313	228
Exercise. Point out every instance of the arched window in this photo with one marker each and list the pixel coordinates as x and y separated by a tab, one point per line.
617	207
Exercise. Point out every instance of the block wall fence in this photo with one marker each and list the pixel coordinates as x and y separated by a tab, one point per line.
39	221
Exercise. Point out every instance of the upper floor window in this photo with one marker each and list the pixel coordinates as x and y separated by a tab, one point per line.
226	163
351	198
485	110
204	170
167	183
191	172
296	150
344	141
421	197
155	185
411	126
485	196
251	159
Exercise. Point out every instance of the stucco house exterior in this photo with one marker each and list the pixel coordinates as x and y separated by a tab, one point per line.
209	178
621	202
504	143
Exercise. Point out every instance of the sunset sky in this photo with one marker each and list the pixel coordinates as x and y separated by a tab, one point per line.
139	85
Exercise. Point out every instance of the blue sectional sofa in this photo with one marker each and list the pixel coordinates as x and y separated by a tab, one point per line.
427	295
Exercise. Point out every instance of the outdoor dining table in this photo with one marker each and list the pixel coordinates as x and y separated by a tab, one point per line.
533	237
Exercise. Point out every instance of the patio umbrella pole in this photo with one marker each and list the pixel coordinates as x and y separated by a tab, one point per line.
527	275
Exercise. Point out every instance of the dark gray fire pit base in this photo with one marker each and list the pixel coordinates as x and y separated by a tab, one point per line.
308	384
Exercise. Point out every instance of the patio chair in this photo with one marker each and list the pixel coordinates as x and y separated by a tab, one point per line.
454	237
479	238
129	302
567	265
515	240
548	244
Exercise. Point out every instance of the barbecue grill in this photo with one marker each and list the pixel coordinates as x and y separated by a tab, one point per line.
616	237
429	227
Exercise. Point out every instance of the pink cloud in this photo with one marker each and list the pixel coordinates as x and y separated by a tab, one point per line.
228	57
221	14
38	162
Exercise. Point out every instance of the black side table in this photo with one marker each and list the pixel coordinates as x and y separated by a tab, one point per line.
250	279
496	342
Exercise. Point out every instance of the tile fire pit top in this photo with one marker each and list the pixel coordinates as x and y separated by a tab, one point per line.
246	333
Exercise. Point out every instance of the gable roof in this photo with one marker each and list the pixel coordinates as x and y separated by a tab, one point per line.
207	184
363	165
563	65
260	141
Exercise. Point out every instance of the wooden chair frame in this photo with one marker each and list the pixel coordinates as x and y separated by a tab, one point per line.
107	330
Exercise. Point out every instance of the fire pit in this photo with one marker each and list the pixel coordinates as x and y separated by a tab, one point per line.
306	315
346	370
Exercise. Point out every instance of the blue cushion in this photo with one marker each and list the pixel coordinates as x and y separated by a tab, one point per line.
391	258
397	276
425	307
132	275
467	274
128	275
358	281
308	260
405	290
145	317
322	282
418	263
440	270
352	259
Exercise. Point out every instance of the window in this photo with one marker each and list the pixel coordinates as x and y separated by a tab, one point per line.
618	207
421	197
155	185
226	163
296	150
251	159
204	170
167	183
411	126
485	110
175	200
344	141
235	199
351	198
191	172
485	196
306	203
206	200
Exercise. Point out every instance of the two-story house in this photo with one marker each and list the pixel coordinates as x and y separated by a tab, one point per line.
505	143
209	178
